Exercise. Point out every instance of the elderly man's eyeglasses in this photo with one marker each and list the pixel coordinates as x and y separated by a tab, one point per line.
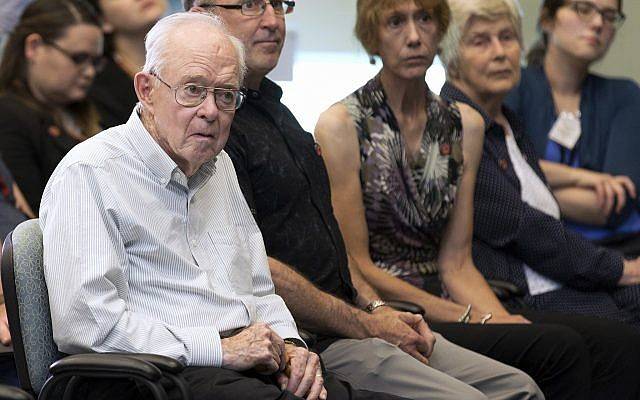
254	8
191	95
80	59
587	11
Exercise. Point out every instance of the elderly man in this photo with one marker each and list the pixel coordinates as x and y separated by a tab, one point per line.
285	182
150	247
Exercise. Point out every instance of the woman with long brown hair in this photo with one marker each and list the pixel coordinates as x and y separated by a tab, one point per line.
48	65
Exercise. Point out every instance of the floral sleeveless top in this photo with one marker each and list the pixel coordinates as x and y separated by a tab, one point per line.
407	201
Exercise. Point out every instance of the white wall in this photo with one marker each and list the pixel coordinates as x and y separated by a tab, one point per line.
323	61
327	25
624	56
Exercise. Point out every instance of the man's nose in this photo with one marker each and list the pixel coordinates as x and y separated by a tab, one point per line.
269	19
209	109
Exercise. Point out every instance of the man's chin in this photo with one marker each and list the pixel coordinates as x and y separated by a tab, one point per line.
264	62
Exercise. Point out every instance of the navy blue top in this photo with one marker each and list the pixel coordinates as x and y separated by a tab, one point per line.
610	122
508	233
284	180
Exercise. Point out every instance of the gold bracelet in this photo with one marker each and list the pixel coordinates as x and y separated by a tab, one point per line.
466	316
485	318
296	342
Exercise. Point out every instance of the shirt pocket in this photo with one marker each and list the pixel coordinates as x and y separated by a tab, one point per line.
231	261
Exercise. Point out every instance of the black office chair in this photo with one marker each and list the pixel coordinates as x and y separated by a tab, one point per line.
39	365
13	393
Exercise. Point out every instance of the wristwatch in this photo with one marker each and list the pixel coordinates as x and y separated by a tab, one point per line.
296	342
375	304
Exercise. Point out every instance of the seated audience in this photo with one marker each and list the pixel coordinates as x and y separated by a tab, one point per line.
583	126
50	61
125	24
402	183
518	236
286	185
159	249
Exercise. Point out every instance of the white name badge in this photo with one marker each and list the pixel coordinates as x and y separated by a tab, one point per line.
538	283
566	130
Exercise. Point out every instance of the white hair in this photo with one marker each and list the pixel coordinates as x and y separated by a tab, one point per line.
158	39
463	11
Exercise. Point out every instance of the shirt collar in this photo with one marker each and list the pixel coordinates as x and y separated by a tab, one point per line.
149	151
157	160
451	92
268	89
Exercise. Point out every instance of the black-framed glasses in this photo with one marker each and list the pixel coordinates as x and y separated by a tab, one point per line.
587	10
191	95
80	59
253	8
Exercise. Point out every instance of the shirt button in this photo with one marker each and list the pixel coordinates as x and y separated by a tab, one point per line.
504	165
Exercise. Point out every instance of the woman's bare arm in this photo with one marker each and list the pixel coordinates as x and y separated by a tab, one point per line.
337	136
460	276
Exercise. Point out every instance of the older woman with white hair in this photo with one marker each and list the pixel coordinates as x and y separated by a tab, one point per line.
402	181
518	235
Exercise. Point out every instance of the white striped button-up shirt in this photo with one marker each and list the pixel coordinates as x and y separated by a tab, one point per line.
140	258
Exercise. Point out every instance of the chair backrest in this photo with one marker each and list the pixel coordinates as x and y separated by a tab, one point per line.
27	303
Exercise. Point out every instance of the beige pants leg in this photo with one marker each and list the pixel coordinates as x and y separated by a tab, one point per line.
453	373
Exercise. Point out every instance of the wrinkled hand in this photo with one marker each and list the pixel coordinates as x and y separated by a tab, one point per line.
256	347
507	319
609	189
302	375
630	273
5	335
406	330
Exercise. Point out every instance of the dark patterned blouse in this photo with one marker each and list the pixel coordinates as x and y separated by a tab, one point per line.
407	199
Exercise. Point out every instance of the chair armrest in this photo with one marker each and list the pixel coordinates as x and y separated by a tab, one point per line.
13	393
504	290
406	306
105	364
165	364
169	366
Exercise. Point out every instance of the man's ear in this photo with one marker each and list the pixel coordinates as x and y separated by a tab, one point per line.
144	85
31	44
198	9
